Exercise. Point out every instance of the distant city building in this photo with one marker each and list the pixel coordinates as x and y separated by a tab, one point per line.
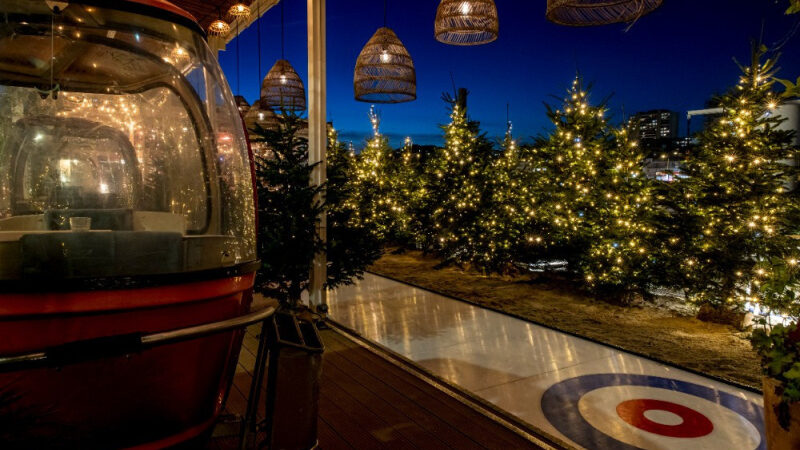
654	125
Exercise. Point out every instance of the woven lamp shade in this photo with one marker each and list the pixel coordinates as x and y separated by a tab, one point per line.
239	10
282	88
466	22
582	13
219	28
385	71
262	115
242	104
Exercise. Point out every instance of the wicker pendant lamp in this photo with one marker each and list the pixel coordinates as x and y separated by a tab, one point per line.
384	69
239	10
282	88
219	27
466	22
262	115
259	113
582	13
242	104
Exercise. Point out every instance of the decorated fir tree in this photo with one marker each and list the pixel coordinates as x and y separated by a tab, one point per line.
352	244
623	245
736	212
456	187
501	224
409	192
376	202
566	166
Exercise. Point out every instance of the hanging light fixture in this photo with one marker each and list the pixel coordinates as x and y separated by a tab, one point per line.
581	13
242	104
239	10
466	22
219	27
384	69
282	88
262	115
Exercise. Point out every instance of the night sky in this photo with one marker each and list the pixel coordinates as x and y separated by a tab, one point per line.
675	58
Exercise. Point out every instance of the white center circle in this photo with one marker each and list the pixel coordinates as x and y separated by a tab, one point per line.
663	417
731	431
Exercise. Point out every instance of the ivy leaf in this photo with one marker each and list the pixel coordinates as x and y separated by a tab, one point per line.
794	7
778	361
791	394
793	374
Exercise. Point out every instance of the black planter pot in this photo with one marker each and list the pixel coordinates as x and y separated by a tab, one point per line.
293	377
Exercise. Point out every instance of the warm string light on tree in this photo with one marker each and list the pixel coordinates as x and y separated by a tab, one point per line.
569	160
456	187
623	247
377	204
739	214
579	195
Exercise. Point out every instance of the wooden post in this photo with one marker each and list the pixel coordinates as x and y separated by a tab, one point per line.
317	135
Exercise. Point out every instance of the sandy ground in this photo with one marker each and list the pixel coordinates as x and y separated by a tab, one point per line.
660	333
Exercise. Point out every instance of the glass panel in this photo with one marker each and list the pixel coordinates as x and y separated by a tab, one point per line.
121	125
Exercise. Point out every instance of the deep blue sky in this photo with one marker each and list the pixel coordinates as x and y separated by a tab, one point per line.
674	58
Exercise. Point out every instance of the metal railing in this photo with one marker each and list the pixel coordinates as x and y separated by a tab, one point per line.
120	345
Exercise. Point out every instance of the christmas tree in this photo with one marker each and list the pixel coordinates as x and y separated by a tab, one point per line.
352	244
374	194
287	212
623	247
566	168
501	223
409	193
456	187
737	212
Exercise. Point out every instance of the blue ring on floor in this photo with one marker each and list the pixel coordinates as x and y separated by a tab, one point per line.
560	405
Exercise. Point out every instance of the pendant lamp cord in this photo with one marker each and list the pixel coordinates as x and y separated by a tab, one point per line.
238	64
283	27
258	32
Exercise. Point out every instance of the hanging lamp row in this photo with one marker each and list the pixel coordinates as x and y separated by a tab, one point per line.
220	27
384	71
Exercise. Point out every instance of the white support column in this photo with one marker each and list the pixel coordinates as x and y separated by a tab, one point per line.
317	133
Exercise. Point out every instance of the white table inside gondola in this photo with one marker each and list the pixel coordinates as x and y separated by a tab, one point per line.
11	236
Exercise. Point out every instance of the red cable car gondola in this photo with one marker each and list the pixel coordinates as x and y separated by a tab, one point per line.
126	218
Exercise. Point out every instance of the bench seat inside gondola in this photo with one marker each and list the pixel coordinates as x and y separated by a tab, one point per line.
120	243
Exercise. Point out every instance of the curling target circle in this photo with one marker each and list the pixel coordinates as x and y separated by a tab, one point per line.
627	411
665	418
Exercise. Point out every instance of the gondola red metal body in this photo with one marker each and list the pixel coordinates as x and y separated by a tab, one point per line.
126	210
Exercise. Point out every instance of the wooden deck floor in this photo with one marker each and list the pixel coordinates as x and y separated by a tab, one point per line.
367	402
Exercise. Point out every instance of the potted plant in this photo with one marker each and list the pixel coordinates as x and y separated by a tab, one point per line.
289	207
778	346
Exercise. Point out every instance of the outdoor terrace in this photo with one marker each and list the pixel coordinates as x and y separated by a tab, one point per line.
368	401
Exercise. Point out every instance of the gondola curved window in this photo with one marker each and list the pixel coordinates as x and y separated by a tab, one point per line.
122	152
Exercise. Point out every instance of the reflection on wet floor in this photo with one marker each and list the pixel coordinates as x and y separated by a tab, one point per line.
583	392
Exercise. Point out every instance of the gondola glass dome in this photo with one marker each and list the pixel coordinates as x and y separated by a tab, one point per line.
122	122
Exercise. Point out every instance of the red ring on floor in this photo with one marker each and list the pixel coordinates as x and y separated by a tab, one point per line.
694	424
